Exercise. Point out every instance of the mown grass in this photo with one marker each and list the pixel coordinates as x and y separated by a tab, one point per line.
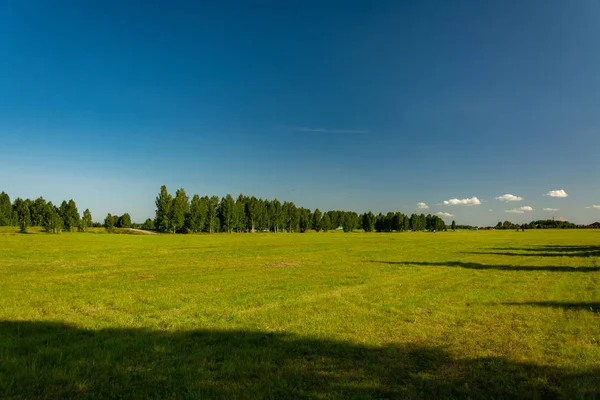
317	315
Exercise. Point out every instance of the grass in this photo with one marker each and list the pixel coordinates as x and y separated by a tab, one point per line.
327	315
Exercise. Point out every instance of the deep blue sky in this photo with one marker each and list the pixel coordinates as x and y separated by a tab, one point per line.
337	105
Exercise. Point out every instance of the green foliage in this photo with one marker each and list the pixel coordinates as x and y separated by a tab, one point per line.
164	204
124	221
5	210
21	207
317	220
109	223
368	221
226	213
52	222
453	225
86	220
179	210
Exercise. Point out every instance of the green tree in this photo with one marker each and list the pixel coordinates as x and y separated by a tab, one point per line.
86	220
326	222
212	214
304	219
109	223
23	214
148	224
197	216
52	222
124	221
5	209
226	210
368	221
179	210
164	203
453	225
37	209
317	220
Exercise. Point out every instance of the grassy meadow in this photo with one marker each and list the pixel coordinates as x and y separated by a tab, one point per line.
488	314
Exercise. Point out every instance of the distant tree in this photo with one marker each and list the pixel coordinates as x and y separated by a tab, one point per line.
317	220
124	221
368	221
109	223
21	208
253	210
197	215
453	225
305	220
212	214
326	222
5	210
507	225
86	220
499	225
226	210
52	222
164	203
37	209
179	210
148	225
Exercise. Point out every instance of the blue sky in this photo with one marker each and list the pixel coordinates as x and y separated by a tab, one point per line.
337	105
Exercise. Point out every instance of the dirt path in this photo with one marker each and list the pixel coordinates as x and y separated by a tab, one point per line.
142	231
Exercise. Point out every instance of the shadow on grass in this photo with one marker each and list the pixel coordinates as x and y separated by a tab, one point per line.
545	251
587	306
473	265
54	360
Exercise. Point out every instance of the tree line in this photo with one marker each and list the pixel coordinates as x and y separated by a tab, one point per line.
39	212
179	214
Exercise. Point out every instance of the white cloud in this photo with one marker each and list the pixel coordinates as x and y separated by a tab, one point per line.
557	193
325	130
422	206
550	209
490	210
466	202
597	207
509	197
444	214
520	210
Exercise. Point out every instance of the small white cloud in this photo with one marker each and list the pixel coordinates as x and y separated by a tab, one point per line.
509	197
444	214
466	202
490	210
597	207
526	208
550	209
422	206
557	193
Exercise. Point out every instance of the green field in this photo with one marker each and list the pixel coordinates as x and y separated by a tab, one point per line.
317	315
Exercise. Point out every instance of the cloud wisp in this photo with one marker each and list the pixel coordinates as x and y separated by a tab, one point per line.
444	214
520	210
596	206
550	209
557	193
422	206
465	202
331	131
509	197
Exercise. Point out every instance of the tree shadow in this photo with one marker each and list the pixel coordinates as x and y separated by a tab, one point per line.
473	265
565	305
54	360
545	251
